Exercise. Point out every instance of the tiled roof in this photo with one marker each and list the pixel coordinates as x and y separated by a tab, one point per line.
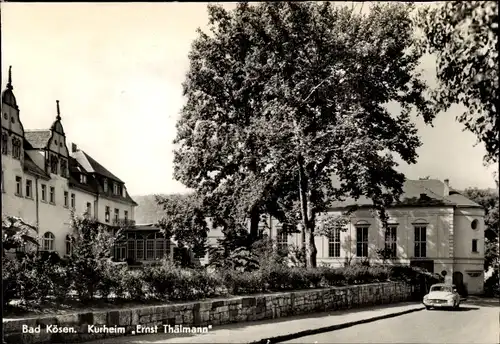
412	190
74	177
37	138
30	166
461	201
92	166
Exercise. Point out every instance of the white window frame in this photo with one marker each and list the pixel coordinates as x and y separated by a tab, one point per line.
107	214
29	188
44	192
334	243
418	244
52	195
391	240
362	241
73	201
66	196
19	186
48	244
281	238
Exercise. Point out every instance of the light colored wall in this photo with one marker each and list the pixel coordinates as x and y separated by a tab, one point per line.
113	204
55	218
466	261
14	205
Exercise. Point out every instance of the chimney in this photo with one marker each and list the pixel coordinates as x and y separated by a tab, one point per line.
74	148
446	187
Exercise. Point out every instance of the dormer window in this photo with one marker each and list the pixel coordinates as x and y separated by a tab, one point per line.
105	185
124	192
83	179
115	188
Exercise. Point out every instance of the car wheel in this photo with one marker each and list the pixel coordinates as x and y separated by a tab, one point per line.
427	307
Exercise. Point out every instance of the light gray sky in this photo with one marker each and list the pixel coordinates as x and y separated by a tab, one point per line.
117	70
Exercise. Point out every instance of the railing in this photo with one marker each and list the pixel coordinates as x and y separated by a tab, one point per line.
123	223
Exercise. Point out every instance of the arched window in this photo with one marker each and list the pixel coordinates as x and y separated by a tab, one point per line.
48	241
69	244
16	148
53	164
64	168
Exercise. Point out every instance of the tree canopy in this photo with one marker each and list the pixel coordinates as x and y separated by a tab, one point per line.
488	198
283	95
463	35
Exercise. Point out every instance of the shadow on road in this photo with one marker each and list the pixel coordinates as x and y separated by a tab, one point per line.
460	309
483	302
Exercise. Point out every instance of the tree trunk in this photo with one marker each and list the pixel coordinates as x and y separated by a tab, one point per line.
254	225
307	216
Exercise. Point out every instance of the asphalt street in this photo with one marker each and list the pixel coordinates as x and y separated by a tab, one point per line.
474	322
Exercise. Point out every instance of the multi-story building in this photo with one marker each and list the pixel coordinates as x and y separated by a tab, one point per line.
44	183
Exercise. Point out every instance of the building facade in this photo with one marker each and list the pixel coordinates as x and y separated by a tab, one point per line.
433	227
44	183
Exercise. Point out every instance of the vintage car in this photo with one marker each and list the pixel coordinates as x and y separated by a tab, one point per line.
442	296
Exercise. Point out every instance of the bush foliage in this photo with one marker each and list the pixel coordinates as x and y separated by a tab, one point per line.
88	273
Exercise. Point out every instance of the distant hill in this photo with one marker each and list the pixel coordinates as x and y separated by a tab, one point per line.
147	210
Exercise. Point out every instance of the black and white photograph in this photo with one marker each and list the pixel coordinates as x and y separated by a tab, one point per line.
250	172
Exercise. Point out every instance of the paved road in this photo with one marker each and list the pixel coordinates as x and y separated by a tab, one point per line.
475	322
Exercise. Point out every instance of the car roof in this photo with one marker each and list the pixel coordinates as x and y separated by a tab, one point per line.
443	285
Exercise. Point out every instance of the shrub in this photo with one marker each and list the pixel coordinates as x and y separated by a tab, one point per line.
243	283
332	277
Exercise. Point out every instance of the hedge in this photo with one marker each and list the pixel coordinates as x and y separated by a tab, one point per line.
35	283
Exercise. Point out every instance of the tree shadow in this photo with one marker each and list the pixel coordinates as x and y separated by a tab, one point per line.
460	309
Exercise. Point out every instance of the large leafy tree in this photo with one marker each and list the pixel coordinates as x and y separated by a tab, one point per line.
281	96
463	35
184	220
488	198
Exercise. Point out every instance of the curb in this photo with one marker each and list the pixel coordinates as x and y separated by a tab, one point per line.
290	336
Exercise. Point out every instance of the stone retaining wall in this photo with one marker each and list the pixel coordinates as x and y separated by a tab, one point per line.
202	314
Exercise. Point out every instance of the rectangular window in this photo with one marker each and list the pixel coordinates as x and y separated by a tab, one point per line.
3	190
362	241
89	209
391	241
106	214
334	243
66	198
73	201
52	195
140	249
19	186
420	241
83	179
117	213
160	248
150	249
474	246
105	185
44	192
281	238
131	249
115	188
29	188
125	215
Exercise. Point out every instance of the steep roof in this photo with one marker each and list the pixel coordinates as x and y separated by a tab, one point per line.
92	166
38	138
31	167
